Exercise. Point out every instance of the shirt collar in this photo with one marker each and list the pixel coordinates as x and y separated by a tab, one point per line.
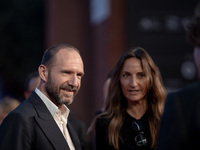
64	111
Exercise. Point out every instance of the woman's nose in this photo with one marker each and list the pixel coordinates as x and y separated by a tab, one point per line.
133	81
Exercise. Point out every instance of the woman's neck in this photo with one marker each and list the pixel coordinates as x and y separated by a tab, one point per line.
137	109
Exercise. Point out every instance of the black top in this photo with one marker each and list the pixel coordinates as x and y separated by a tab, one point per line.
127	134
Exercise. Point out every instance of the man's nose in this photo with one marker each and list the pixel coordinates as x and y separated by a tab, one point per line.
73	81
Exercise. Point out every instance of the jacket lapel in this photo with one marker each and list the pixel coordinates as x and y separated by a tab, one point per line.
74	136
48	124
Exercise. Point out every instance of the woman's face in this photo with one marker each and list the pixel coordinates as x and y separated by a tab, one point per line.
133	80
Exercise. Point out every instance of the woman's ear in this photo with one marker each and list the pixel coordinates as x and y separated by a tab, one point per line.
43	72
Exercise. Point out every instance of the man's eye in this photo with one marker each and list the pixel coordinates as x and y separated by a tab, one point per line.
67	72
79	76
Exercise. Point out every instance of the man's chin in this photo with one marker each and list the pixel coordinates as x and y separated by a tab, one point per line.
67	101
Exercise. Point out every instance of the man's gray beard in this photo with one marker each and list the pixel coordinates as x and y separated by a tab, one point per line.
54	94
56	97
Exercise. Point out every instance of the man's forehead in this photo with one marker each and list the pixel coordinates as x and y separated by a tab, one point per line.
68	53
69	59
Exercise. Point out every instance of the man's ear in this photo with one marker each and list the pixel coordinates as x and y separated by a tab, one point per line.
43	72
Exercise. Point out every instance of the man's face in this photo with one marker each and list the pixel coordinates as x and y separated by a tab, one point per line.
64	80
197	59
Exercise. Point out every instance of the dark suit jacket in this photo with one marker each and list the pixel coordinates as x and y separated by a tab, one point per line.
180	126
32	127
80	129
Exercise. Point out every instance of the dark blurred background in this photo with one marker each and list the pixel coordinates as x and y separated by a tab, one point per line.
102	30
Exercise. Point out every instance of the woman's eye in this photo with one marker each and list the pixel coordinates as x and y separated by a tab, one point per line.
141	75
125	75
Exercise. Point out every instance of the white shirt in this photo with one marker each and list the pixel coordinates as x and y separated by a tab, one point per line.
59	115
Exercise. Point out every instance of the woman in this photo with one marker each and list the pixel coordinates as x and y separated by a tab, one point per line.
133	106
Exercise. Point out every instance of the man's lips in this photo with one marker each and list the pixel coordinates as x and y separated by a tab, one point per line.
68	90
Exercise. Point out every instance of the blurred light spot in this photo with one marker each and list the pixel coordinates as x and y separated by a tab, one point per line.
172	23
188	70
149	24
99	11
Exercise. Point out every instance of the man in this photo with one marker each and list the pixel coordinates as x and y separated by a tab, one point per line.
180	125
32	82
40	122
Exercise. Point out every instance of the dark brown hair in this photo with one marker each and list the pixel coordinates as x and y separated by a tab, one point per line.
48	57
